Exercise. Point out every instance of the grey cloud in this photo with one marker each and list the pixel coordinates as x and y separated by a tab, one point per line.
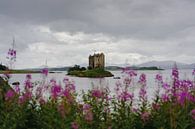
154	19
153	29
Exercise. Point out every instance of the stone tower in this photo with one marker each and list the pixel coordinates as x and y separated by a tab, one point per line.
97	61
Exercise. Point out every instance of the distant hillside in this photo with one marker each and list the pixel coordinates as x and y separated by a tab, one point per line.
166	64
113	68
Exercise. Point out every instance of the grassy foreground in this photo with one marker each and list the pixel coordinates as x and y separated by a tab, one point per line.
27	107
94	73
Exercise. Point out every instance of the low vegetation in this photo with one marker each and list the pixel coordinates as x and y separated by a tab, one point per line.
56	106
3	67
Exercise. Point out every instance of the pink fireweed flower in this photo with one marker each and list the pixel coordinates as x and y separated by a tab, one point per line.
70	87
9	95
88	115
127	81
28	84
159	78
125	96
86	107
42	101
124	70
193	72
38	92
142	93
74	125
68	95
165	98
181	97
145	116
53	81
61	109
185	84
26	96
175	73
66	80
11	55
134	110
193	114
142	79
118	86
56	91
97	93
129	71
109	127
17	89
28	77
21	99
155	106
45	72
166	86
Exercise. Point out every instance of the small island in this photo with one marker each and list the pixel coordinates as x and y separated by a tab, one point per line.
91	73
94	70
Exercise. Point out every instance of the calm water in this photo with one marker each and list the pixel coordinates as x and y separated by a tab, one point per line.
88	83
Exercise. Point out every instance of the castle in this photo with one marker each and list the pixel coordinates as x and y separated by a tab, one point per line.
97	61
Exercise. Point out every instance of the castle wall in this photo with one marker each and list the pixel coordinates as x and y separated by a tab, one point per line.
97	61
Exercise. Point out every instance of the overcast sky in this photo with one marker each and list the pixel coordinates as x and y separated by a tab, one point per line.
65	32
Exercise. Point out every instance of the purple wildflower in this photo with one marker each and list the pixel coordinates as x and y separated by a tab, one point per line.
10	94
66	80
42	101
166	86
193	114
28	84
159	78
61	109
145	116
39	92
142	93
124	96
56	91
86	107
193	72
28	77
132	73
165	98
129	71
26	96
175	73
181	97
142	79
74	125
88	115
45	72
17	89
53	81
127	81
96	93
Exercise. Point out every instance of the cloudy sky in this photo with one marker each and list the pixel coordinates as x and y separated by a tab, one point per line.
65	32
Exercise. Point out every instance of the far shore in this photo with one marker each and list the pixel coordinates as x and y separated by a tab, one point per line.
22	72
